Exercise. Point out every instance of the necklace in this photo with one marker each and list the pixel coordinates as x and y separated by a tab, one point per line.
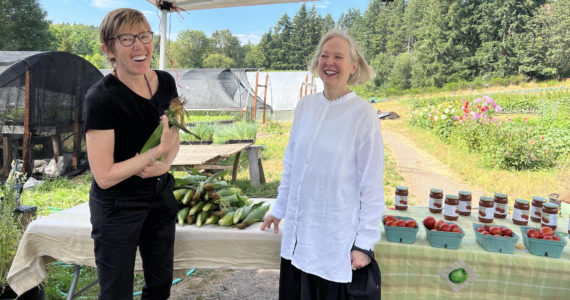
145	79
332	100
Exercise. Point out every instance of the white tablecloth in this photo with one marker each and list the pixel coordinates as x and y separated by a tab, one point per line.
66	236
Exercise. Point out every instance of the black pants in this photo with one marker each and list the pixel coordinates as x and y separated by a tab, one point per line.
123	222
295	284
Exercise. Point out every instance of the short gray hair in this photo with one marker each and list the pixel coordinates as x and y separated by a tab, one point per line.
363	72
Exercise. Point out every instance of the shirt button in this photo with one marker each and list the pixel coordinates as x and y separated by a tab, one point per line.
158	179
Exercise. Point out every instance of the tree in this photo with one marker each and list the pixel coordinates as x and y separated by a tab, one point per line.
546	54
217	60
223	42
328	23
23	26
401	74
254	58
189	49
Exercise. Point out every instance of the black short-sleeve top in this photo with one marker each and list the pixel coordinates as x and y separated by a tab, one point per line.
110	104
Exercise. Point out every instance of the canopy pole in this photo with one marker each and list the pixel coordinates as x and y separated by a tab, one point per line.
162	55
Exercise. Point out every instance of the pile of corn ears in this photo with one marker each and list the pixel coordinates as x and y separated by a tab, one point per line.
211	200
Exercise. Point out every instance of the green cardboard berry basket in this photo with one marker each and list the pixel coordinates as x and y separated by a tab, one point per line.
493	243
444	239
398	234
542	247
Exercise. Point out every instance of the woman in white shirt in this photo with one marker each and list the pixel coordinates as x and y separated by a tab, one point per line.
331	191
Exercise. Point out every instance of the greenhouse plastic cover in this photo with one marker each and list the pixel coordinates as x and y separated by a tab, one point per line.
234	89
285	87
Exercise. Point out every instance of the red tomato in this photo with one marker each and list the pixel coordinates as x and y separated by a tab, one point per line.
445	227
547	231
556	238
390	223
454	226
456	230
494	230
429	222
411	223
507	232
532	233
401	223
548	237
480	229
438	224
485	232
389	218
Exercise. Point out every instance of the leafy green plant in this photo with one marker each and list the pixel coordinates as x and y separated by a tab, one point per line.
237	131
204	130
10	229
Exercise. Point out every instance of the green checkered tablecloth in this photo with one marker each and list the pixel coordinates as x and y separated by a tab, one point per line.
418	271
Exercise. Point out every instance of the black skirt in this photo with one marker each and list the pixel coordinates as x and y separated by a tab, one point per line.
295	284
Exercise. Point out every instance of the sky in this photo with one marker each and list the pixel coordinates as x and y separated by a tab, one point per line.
247	23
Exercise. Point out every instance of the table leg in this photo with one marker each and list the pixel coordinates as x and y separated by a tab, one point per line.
235	168
76	269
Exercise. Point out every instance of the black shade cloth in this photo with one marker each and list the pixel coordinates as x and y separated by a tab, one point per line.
58	82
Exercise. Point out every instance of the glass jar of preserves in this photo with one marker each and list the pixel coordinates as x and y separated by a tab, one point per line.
435	200
450	211
536	208
486	209
520	212
549	215
401	197
501	202
464	203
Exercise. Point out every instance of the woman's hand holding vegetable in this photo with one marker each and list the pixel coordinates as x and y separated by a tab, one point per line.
169	145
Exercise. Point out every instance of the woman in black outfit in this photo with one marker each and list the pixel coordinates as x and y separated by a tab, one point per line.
131	200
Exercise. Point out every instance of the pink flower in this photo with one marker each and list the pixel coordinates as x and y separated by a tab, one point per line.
455	117
477	100
498	108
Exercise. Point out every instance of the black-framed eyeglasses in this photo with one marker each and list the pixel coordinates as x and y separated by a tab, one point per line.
128	39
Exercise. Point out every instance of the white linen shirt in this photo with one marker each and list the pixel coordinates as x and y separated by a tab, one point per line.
331	192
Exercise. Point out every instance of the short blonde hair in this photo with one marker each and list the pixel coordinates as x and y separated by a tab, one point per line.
363	72
117	20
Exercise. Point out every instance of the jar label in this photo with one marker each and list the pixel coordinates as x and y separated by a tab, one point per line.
486	212
501	209
464	206
450	210
535	212
401	200
520	214
549	219
435	203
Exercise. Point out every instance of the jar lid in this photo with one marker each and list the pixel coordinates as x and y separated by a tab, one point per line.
521	201
485	198
539	199
401	187
550	205
452	197
500	195
465	193
437	191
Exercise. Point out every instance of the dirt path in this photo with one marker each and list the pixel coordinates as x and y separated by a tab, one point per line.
421	172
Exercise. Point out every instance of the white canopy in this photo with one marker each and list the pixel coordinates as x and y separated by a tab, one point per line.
169	6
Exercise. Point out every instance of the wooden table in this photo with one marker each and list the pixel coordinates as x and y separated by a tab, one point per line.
207	157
